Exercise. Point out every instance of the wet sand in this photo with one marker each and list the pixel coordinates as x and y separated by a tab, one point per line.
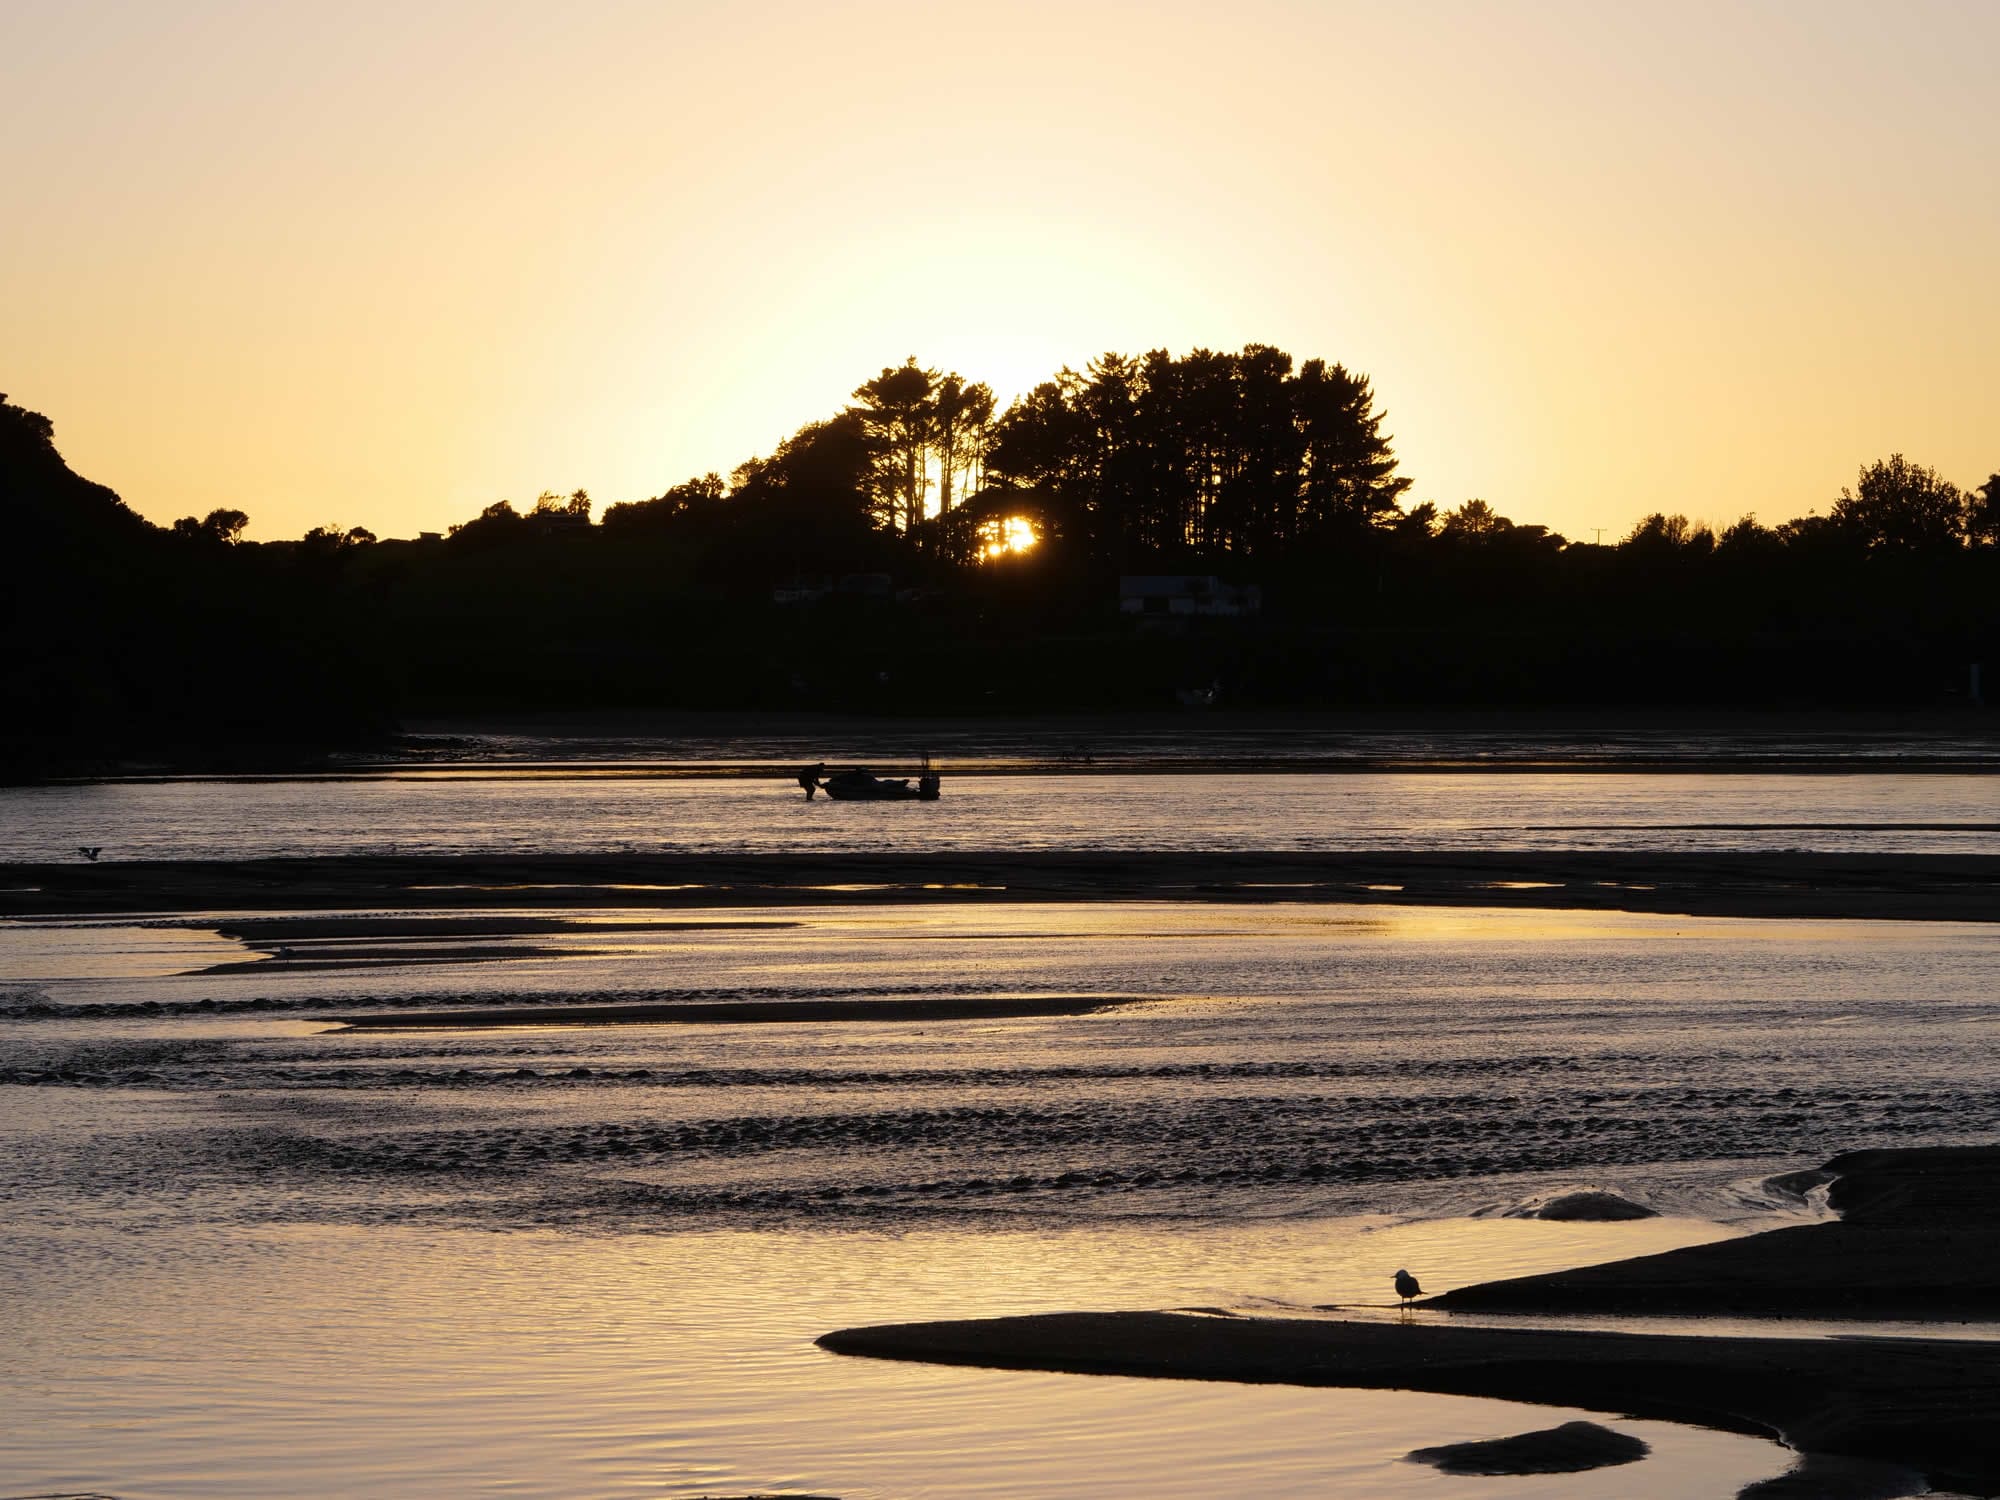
1944	887
1928	1245
741	1012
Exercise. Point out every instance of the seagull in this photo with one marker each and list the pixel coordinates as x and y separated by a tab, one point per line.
90	851
1406	1287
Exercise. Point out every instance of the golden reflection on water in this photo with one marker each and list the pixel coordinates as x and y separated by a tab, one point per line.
315	1362
223	1362
66	950
572	810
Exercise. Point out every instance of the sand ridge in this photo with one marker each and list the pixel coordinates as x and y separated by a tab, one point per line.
1925	1404
1946	887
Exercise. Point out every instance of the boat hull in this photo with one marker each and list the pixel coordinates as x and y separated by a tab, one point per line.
875	789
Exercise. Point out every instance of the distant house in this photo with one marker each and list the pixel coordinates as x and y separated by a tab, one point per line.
1185	594
802	591
851	585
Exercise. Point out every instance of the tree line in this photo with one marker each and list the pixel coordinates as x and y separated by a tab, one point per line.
1137	461
733	592
1239	461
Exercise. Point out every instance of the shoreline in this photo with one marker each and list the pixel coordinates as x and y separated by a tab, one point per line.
1694	761
1929	1228
1916	887
1229	740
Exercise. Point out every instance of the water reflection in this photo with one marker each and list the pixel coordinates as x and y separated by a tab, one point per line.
240	1256
575	814
316	1363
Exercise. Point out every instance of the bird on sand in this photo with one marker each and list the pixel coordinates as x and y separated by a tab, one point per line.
1406	1286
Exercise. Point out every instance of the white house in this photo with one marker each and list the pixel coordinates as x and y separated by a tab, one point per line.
1185	594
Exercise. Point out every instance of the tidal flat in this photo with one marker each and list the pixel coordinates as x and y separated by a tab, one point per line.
254	1250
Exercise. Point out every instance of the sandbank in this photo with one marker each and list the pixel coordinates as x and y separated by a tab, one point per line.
1929	1215
1945	887
745	1012
1573	1448
1918	1238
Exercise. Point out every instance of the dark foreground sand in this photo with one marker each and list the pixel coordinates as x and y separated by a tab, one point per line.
1921	1237
1918	1238
1951	887
1573	1448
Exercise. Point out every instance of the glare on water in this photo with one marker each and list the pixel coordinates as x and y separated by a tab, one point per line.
1398	810
250	1254
315	1362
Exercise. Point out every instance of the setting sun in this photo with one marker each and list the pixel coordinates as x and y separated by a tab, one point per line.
1007	536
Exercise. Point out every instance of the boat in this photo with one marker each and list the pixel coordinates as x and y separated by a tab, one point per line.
860	785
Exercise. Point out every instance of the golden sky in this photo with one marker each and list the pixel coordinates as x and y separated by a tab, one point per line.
383	264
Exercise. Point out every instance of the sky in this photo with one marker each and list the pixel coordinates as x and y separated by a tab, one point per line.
383	264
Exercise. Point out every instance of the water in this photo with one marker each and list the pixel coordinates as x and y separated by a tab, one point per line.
246	1253
428	812
1290	1059
308	1362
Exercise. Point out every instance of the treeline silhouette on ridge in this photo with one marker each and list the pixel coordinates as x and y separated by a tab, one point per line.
873	563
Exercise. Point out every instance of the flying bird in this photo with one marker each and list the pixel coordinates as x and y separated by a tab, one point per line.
90	851
1406	1286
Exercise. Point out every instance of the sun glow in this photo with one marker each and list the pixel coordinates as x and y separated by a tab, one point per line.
1007	536
297	286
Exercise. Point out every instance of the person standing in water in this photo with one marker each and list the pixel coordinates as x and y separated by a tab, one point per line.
809	779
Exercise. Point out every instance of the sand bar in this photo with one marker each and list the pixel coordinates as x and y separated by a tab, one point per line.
1930	1218
746	1012
1918	1238
1949	887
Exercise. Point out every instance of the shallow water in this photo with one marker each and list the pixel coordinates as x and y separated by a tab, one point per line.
1280	1059
420	813
312	1362
247	1254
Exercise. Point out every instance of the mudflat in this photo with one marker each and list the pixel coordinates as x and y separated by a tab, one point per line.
1943	887
1930	1228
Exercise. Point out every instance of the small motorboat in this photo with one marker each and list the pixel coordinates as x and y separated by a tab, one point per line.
860	785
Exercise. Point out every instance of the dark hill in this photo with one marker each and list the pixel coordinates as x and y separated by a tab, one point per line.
130	643
48	510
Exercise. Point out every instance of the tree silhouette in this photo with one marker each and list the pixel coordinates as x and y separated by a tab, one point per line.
1664	535
1982	513
549	506
221	527
499	522
1745	538
728	594
1045	442
961	425
1216	455
1473	521
898	416
1896	504
688	499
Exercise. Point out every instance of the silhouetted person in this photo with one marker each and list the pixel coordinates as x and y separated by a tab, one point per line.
1406	1286
809	779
